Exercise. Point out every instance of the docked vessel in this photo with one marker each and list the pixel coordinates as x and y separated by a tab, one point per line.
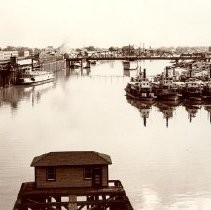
206	92
141	89
166	90
193	89
28	76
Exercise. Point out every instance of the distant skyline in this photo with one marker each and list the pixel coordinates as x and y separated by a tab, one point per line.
156	23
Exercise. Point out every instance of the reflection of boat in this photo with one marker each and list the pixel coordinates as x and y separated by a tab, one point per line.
143	106
32	77
14	94
167	108
192	109
141	90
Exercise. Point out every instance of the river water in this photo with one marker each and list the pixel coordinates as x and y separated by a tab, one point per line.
161	152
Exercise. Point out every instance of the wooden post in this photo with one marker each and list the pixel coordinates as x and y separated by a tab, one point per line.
81	63
58	199
73	202
67	63
87	64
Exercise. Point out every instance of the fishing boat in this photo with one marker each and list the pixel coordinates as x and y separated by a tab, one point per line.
29	76
140	90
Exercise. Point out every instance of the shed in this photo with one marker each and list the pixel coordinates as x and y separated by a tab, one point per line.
71	169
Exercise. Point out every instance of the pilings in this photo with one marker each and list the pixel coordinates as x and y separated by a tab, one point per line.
111	197
7	77
9	71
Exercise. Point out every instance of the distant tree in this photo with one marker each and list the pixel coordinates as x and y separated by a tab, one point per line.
66	56
36	50
111	49
9	48
128	50
90	48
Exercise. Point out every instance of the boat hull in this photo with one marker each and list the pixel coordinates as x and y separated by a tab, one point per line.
168	97
36	83
35	79
138	97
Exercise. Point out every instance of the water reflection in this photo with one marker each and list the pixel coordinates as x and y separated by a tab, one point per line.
160	167
168	108
14	95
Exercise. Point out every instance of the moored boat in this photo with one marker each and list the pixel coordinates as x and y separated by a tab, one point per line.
166	90
29	76
141	90
206	92
193	89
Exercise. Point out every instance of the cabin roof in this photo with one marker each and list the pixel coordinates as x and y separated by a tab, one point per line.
71	158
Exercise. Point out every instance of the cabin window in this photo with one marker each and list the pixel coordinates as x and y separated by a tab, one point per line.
87	173
51	174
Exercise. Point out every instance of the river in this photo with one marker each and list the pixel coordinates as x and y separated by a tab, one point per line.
161	152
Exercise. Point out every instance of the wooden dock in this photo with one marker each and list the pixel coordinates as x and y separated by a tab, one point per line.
112	197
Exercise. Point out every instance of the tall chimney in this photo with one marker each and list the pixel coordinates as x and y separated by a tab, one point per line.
173	71
209	72
167	72
144	73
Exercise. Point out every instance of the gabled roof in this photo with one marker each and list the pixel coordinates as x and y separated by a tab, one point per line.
71	158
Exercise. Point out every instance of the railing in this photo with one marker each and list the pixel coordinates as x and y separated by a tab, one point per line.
115	183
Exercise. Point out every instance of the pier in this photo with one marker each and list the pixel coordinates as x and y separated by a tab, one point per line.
72	180
10	69
113	197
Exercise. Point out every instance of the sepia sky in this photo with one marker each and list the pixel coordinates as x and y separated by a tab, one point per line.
104	23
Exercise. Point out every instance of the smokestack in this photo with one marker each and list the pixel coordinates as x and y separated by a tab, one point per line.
140	70
144	73
190	71
173	71
167	72
209	73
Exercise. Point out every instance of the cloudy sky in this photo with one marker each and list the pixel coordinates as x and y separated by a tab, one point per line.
104	23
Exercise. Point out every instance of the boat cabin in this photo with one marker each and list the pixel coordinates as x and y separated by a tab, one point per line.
194	83
71	169
26	70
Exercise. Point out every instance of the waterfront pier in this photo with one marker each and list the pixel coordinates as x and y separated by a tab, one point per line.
72	181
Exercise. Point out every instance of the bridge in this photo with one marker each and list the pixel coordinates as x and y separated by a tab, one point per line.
134	55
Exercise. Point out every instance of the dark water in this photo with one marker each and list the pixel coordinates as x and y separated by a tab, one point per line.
161	152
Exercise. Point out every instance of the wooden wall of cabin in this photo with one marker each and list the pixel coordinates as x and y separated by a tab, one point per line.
67	177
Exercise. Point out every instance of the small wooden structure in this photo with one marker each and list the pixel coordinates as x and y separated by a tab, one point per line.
73	181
